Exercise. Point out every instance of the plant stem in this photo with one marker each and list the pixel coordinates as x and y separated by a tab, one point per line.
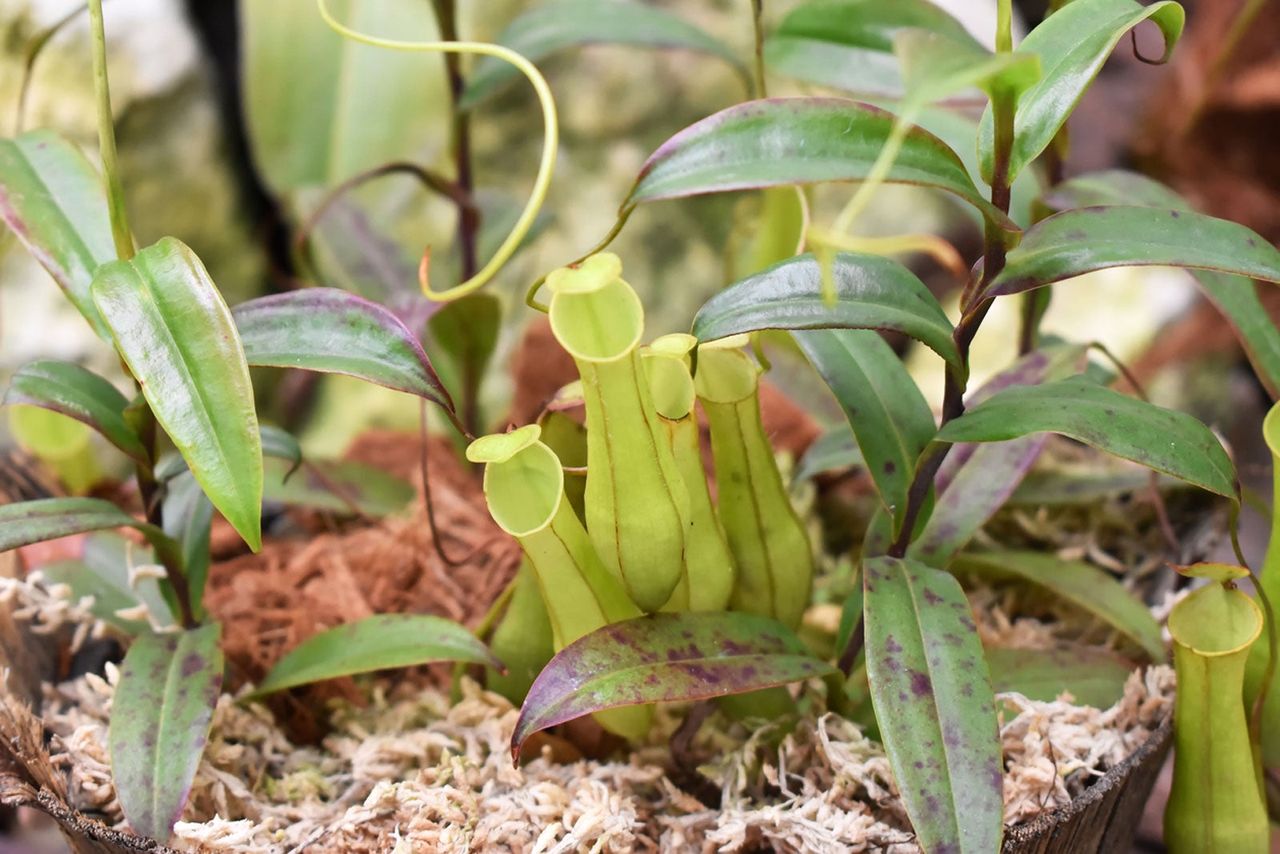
757	22
957	380
107	137
468	218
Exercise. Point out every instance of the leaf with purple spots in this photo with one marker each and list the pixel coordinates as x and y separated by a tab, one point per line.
664	658
1083	240
1170	442
160	717
934	703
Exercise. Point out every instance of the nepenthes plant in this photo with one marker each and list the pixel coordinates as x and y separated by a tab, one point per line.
650	577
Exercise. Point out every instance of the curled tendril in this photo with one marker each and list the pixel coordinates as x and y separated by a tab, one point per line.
551	140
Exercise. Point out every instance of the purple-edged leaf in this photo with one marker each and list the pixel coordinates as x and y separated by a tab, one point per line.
1092	676
1235	296
553	27
375	643
664	658
1082	240
975	481
981	487
787	141
160	717
1170	442
26	522
175	333
332	331
78	393
934	703
53	199
848	44
872	292
1081	584
1072	43
338	486
889	416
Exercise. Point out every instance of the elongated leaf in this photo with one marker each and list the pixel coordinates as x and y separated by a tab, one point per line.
934	704
175	333
786	141
320	108
26	522
103	572
380	642
1086	239
1235	296
975	481
56	204
338	486
276	443
188	519
553	27
1082	584
78	393
465	332
328	330
936	66
888	414
662	658
1161	439
848	44
1075	485
872	292
1072	44
160	717
1093	677
834	450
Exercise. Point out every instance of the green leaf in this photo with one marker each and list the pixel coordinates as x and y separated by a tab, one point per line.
56	204
1074	486
1072	43
834	450
379	642
664	658
1094	677
887	413
553	27
188	519
848	44
974	482
160	717
102	572
175	333
872	292
281	445
320	108
788	141
1170	442
1235	296
338	487
1082	240
934	704
26	522
328	330
78	393
1082	584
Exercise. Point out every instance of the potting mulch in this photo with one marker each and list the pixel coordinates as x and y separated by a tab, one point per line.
409	772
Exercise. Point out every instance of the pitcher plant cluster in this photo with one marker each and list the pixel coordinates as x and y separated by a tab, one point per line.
648	579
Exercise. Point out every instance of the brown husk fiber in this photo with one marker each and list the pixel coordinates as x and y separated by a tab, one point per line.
270	602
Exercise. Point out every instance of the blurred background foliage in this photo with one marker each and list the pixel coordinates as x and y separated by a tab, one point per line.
235	119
